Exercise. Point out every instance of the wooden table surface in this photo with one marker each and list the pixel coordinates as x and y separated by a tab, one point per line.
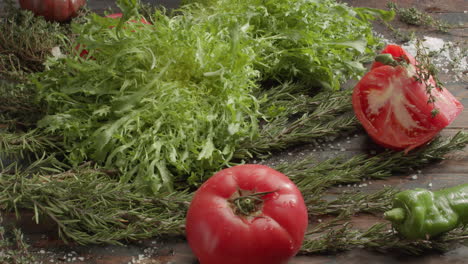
452	171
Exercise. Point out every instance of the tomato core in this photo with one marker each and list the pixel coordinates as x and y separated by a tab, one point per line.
247	203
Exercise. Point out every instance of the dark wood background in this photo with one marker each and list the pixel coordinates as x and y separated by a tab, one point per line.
452	171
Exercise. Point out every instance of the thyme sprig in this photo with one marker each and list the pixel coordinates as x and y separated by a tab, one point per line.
414	16
26	41
426	73
19	110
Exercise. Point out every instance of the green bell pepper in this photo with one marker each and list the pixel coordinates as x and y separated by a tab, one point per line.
422	214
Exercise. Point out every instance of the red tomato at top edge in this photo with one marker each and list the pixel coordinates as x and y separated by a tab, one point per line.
393	107
55	10
219	233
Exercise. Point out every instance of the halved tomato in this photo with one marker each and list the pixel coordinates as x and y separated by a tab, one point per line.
393	106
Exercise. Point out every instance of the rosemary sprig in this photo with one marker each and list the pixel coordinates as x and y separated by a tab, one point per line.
31	144
352	202
311	177
295	118
378	237
89	206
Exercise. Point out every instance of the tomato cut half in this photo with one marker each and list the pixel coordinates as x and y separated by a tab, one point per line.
393	106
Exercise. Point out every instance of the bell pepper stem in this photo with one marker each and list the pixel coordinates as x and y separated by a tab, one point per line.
395	215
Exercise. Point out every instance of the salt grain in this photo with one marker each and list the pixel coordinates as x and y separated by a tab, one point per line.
448	56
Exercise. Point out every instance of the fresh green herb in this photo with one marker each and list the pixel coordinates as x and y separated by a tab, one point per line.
19	109
159	105
305	40
293	117
314	180
173	101
90	206
166	105
379	237
413	16
26	41
427	73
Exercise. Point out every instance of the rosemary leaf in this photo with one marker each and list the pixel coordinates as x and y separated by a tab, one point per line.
295	118
378	237
90	206
313	178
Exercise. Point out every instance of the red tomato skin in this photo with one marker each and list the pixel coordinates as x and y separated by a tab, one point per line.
53	10
385	126
217	235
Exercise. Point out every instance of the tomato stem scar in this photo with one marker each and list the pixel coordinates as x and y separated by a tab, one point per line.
247	203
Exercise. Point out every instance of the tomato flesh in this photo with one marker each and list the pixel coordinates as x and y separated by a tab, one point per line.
274	234
393	106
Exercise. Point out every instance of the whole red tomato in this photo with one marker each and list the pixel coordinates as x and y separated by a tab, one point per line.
54	10
247	214
394	107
